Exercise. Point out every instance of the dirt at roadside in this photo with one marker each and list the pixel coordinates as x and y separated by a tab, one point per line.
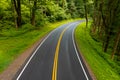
16	65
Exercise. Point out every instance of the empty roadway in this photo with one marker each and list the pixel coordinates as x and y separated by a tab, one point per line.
56	58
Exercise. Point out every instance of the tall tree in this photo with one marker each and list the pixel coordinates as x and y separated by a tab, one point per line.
79	8
17	7
72	8
33	12
115	44
111	9
116	24
86	11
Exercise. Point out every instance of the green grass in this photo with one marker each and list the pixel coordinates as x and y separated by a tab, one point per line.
14	42
99	62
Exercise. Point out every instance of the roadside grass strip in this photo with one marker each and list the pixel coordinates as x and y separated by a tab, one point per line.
93	54
15	42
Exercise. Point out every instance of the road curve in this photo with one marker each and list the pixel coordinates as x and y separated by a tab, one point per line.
56	58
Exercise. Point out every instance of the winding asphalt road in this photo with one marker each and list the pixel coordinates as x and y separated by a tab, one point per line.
56	58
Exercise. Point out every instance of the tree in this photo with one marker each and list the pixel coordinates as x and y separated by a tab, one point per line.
17	7
79	8
106	20
86	11
115	44
33	12
72	9
116	10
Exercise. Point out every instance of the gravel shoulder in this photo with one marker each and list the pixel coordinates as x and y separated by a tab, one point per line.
19	62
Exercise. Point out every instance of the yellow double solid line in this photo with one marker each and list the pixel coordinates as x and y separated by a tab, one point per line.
54	73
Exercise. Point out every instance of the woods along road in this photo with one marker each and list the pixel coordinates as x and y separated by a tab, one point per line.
56	58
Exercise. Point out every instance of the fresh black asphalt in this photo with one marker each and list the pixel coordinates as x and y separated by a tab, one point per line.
40	66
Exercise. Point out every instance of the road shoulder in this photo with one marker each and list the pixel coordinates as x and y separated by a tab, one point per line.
86	65
14	68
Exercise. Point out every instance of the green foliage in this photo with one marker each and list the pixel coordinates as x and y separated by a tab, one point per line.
26	14
55	12
105	16
79	8
100	63
106	24
46	11
23	38
4	5
13	42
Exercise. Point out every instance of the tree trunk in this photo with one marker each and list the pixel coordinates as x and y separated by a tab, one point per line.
115	45
107	40
85	7
17	6
15	19
106	27
19	13
94	17
33	13
101	31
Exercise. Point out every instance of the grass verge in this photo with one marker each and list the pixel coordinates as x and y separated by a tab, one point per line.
14	42
99	62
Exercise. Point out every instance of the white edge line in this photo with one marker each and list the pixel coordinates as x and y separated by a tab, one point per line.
33	55
78	55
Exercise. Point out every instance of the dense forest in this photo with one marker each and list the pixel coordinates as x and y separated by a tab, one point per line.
15	13
30	14
106	25
105	16
23	22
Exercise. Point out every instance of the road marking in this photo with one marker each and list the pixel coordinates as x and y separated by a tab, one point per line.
54	73
78	55
33	55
